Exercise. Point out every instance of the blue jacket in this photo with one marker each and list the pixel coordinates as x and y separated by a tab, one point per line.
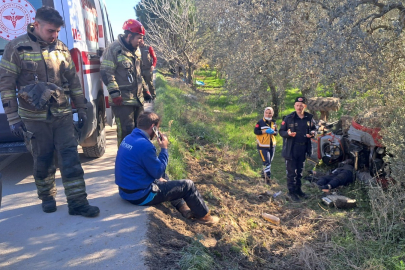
137	165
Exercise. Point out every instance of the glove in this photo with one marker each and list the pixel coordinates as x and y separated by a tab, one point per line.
118	101
81	114
147	96
270	131
17	129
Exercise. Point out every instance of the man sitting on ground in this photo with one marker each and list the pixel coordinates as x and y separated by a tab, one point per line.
139	172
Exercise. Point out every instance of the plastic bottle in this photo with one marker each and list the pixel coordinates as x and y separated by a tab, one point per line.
273	219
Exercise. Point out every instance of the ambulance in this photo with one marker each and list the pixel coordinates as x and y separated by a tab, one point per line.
87	33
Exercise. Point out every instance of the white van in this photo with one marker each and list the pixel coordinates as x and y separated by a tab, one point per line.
87	33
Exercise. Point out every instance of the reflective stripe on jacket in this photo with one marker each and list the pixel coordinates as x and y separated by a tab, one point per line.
265	140
28	59
121	73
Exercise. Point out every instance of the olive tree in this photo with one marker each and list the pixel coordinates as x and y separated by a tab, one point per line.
173	31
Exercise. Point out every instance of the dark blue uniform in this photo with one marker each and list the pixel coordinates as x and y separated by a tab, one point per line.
296	149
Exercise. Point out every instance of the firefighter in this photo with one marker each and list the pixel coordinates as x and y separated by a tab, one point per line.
148	65
40	67
297	129
121	73
266	130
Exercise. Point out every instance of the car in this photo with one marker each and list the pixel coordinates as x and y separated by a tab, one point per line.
87	33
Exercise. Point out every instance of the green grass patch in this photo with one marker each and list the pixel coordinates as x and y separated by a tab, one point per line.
209	119
195	256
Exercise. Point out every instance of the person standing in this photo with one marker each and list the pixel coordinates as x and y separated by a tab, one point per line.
139	173
297	128
149	61
266	130
121	73
40	67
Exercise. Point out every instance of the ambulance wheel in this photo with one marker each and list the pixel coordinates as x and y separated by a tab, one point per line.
98	149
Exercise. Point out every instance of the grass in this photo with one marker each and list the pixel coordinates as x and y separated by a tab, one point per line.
215	131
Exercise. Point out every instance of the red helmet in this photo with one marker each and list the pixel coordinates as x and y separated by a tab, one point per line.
134	26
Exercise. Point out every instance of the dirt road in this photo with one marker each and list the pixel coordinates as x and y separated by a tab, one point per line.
32	239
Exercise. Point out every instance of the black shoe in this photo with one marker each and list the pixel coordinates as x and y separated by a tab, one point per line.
49	206
85	210
301	194
293	197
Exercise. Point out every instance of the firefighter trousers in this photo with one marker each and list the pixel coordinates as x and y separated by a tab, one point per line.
148	78
125	118
43	140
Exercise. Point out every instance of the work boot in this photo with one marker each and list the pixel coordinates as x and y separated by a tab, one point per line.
208	220
294	197
85	210
300	193
49	205
186	211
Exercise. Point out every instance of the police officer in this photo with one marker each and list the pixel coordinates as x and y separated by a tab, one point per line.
121	73
40	67
266	130
297	128
149	61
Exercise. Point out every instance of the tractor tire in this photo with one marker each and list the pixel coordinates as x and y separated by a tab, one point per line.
323	104
98	149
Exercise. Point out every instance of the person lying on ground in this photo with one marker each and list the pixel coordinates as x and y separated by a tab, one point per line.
339	177
139	173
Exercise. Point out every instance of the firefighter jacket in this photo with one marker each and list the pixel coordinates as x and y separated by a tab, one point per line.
288	141
121	73
28	60
265	140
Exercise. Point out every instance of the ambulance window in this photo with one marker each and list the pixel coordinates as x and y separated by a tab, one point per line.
107	26
13	24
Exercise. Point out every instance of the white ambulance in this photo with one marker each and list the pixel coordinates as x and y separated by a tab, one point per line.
87	33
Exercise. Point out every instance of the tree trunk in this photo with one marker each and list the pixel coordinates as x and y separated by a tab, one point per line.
274	97
190	72
306	91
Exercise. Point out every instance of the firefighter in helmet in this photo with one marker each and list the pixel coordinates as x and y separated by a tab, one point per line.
121	73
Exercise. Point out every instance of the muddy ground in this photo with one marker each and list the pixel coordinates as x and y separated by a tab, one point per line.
242	239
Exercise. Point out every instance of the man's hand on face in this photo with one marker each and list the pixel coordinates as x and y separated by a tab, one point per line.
162	179
163	142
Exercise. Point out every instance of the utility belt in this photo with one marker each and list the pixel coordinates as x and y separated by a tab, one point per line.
300	143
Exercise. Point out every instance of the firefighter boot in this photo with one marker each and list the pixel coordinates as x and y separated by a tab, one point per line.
186	211
49	205
84	209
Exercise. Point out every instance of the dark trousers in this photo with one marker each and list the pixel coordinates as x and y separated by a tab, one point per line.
58	134
125	118
148	78
335	180
180	192
295	167
267	155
